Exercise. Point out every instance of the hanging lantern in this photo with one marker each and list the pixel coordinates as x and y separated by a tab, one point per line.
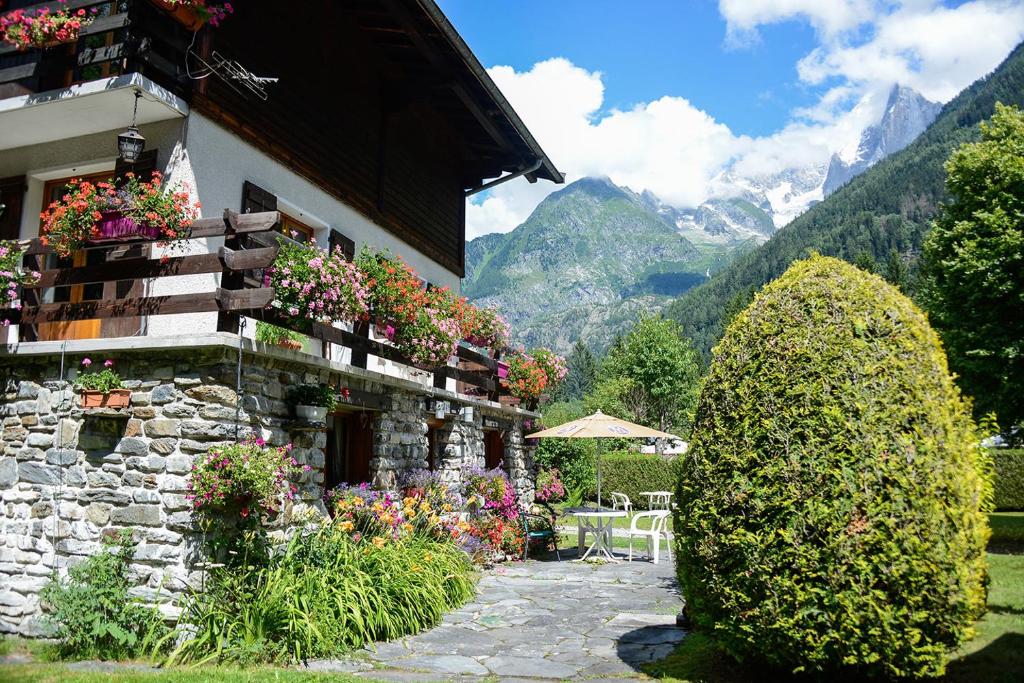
131	143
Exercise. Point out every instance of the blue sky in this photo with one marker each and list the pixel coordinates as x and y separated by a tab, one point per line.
668	96
649	49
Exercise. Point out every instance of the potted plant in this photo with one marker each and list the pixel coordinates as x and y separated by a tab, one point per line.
430	339
43	28
312	284
312	401
13	277
395	292
279	336
194	14
486	328
526	379
102	389
105	212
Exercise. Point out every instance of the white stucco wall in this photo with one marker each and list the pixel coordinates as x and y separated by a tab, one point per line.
214	163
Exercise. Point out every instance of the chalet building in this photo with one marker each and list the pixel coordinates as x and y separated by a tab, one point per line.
362	122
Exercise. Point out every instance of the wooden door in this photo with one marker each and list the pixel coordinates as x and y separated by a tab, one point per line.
494	449
349	447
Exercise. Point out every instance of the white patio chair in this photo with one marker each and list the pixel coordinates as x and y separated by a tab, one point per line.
661	501
651	535
620	501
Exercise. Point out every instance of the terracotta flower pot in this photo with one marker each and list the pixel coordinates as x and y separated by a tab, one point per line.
186	15
290	344
116	227
117	398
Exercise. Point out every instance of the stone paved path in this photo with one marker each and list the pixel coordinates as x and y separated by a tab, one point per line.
545	621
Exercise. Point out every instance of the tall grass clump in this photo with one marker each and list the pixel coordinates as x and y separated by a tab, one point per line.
324	595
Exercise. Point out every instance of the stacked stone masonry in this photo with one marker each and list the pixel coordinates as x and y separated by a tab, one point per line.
70	476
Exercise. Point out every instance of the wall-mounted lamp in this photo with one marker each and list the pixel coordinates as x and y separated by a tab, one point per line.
131	143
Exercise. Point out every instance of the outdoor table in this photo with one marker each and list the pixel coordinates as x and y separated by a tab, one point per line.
665	496
599	522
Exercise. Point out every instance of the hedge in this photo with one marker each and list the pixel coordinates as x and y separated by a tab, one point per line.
1009	478
631	473
832	507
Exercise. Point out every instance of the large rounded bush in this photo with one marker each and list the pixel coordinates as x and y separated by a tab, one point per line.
831	509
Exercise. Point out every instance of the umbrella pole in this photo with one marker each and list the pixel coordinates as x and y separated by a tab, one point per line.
598	455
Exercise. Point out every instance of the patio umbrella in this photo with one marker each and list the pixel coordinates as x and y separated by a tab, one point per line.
599	426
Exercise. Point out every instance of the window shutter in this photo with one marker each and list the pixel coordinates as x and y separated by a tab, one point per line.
255	199
143	168
12	194
348	247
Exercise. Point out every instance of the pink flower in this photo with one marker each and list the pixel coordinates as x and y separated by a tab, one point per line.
86	362
108	363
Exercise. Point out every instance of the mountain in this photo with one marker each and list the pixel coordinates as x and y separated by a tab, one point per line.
885	211
907	114
589	259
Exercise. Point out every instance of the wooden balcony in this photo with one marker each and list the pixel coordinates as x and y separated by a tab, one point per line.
126	36
252	243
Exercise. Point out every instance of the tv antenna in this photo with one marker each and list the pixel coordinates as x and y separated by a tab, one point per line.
240	79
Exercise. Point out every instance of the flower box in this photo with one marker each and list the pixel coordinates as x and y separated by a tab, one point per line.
185	14
509	400
115	398
502	370
311	413
116	227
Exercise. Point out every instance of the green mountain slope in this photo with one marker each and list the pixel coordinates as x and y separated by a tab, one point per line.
887	208
587	261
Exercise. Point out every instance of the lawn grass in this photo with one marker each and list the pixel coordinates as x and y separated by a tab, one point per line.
994	655
60	673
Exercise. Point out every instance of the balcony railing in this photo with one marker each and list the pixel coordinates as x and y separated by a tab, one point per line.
252	243
125	36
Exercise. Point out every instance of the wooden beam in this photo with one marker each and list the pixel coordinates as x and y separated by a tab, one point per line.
199	302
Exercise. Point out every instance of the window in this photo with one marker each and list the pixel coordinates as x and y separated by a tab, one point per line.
294	228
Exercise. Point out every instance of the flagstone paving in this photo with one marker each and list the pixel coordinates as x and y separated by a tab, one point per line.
543	620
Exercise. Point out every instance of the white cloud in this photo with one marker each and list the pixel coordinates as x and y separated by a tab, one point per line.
672	148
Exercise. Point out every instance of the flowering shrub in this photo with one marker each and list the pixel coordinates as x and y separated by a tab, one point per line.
490	490
105	380
396	294
209	12
71	221
315	284
13	277
43	28
526	378
246	477
549	486
553	365
487	328
499	536
377	516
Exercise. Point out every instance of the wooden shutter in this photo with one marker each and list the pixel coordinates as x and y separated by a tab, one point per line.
143	168
12	195
348	247
255	199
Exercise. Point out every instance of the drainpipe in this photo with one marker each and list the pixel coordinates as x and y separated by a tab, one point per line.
504	179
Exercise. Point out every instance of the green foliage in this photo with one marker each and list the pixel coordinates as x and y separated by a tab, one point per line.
887	208
573	458
631	473
651	377
325	595
1008	465
974	260
272	334
831	508
582	375
93	616
313	395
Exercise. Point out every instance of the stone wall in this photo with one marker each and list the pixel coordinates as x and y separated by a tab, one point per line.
69	476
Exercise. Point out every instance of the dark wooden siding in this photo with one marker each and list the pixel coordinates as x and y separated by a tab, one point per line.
334	118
